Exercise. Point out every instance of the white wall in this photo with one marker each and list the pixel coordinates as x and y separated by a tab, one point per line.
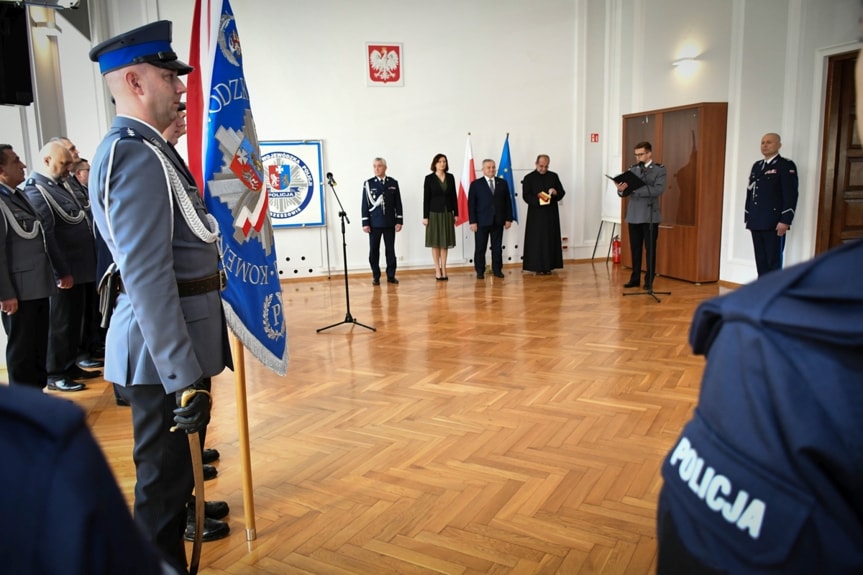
549	72
482	67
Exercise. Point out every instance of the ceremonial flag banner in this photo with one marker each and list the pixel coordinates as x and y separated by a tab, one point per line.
225	158
504	170
468	174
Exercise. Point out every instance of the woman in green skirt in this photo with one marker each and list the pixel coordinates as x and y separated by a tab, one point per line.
440	212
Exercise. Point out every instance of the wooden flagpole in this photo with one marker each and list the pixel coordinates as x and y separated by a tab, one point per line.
243	436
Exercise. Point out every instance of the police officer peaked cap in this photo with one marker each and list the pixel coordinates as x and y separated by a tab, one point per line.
149	44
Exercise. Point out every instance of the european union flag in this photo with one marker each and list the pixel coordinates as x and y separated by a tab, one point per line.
504	170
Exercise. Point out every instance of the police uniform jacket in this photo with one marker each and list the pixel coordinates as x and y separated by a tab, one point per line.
25	268
77	249
382	203
155	336
643	206
768	475
54	475
771	196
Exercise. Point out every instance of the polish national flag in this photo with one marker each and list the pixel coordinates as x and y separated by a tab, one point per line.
468	175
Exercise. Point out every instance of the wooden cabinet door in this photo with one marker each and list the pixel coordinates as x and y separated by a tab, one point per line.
690	142
677	242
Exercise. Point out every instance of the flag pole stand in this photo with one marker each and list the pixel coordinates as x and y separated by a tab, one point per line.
343	216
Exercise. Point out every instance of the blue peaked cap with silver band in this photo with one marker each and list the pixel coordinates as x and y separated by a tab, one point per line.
149	44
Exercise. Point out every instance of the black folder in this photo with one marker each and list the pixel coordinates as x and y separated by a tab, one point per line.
632	181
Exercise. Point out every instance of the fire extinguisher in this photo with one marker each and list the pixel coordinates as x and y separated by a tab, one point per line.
615	250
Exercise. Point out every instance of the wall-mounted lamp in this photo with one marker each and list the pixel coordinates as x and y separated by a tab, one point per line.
684	62
686	66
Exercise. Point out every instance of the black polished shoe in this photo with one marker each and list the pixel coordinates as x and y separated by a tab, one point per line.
376	282
210	472
480	276
209	456
90	363
648	287
213	529
212	509
121	402
392	281
65	384
631	284
76	372
498	275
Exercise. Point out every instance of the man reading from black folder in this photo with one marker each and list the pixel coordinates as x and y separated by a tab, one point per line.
642	213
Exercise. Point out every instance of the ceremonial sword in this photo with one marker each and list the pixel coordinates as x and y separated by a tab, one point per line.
198	474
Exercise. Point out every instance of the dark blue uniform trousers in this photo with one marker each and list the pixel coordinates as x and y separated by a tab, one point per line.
389	235
27	347
163	468
640	238
67	324
768	250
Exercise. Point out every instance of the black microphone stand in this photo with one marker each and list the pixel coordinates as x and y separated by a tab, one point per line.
344	218
651	246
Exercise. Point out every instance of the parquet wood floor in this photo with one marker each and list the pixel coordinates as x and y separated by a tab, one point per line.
511	426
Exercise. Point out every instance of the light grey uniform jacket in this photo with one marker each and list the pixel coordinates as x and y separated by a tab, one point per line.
155	336
639	209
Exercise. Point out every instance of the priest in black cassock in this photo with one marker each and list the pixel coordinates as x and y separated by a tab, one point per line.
542	190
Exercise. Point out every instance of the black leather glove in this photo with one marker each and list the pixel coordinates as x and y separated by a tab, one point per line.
195	415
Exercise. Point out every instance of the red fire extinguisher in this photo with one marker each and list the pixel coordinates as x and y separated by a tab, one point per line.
615	250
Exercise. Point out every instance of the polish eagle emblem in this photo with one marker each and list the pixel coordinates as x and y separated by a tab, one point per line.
385	64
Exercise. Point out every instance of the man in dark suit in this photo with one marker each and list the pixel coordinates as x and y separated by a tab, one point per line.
382	216
168	333
26	277
63	215
771	198
490	212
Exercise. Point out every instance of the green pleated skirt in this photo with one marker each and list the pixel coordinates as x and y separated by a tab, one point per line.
440	233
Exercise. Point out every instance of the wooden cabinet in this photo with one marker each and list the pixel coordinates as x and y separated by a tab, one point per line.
690	142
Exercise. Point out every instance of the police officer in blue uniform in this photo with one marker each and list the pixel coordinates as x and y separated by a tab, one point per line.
382	216
26	277
767	476
62	509
771	198
167	333
68	221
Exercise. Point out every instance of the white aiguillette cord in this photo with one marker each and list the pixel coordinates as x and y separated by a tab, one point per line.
207	233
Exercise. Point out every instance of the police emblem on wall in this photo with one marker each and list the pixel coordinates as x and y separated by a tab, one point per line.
384	64
292	172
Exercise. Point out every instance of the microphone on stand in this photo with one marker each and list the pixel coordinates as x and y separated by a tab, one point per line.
330	179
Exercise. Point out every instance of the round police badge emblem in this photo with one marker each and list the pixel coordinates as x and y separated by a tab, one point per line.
290	185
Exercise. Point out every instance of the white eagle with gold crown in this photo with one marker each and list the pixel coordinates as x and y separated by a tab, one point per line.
384	63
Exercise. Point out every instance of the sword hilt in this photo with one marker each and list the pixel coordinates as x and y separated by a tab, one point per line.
187	396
